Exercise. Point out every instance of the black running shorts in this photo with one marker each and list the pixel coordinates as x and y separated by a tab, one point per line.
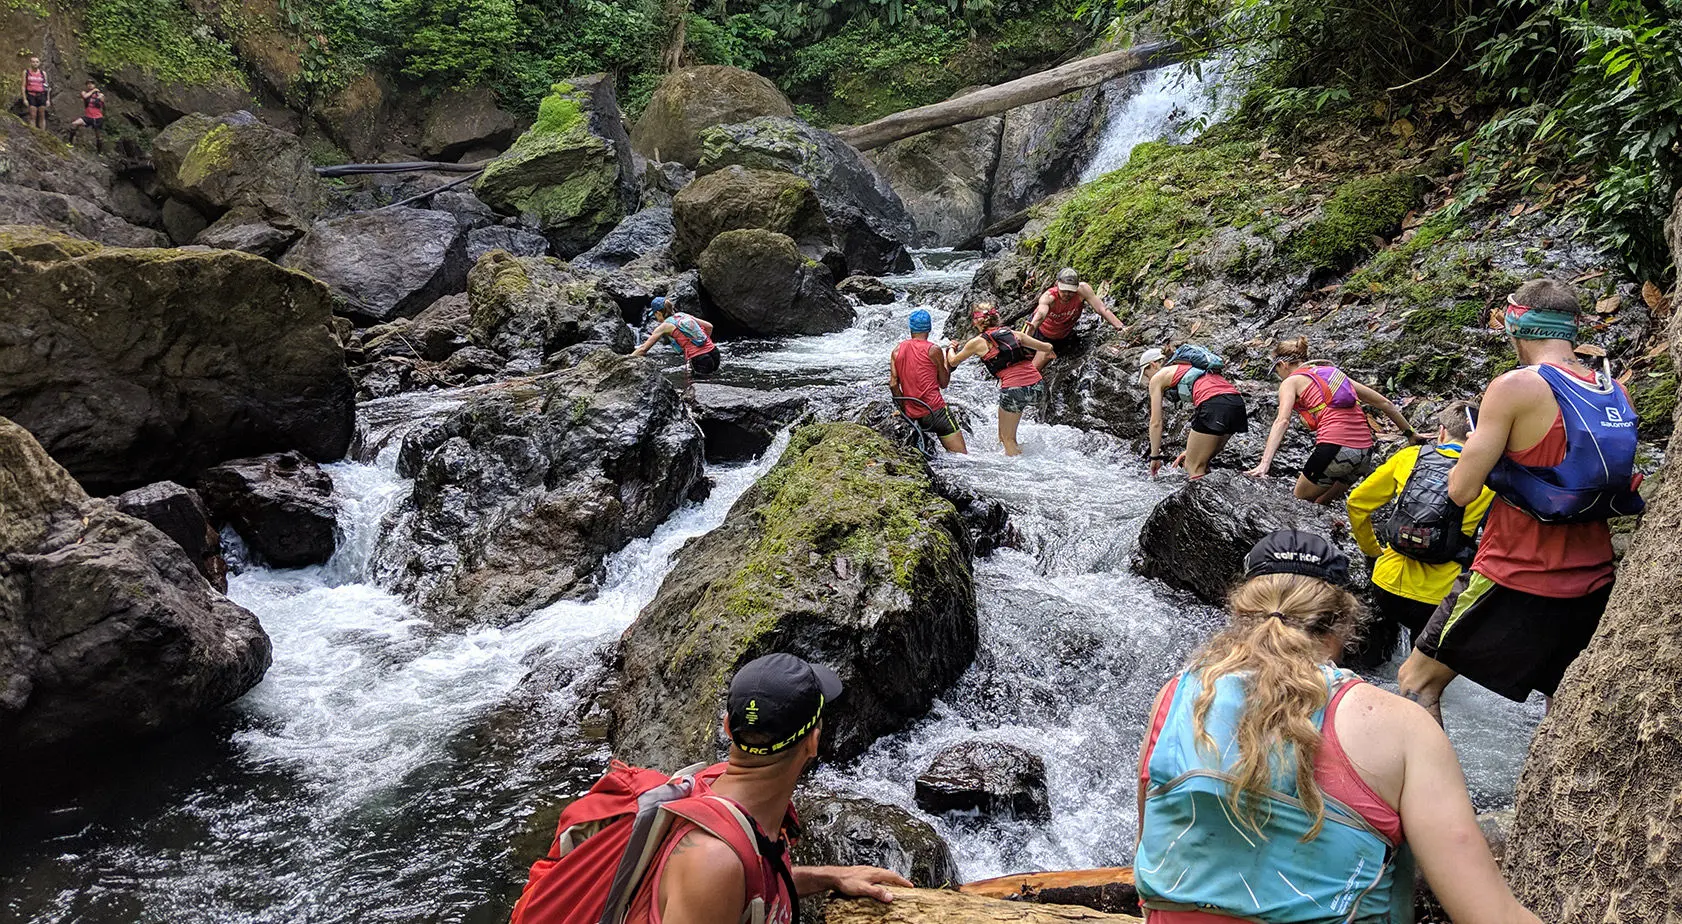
1410	614
705	364
1509	641
1222	415
941	423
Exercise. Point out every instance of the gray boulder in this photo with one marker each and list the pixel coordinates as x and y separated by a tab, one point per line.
43	183
689	101
1045	146
740	423
280	504
462	120
986	776
217	163
526	308
867	290
245	230
433	335
517	241
468	209
761	283
841	829
181	515
69	214
385	264
945	179
108	632
647	232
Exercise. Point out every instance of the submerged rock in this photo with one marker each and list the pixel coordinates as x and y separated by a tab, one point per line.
281	505
218	163
843	554
526	308
108	632
385	264
691	100
986	776
867	290
165	361
181	515
523	490
841	829
737	198
760	283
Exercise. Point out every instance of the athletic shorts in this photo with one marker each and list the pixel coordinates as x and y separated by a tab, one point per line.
1019	399
941	423
95	124
1221	415
1410	614
1062	346
1330	463
704	364
36	100
1509	641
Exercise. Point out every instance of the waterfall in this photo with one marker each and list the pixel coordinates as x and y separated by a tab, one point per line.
1172	103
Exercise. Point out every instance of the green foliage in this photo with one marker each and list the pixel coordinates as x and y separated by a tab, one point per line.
1654	394
1361	209
454	40
162	38
740	40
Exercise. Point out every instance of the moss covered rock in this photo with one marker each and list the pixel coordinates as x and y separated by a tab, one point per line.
570	174
843	554
760	283
528	307
690	101
1356	220
217	163
738	197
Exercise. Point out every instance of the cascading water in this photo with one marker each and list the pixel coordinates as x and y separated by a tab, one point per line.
1168	104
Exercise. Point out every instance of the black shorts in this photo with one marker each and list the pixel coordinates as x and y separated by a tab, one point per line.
1066	345
941	423
95	124
1509	641
705	364
1330	463
1410	614
36	100
1222	415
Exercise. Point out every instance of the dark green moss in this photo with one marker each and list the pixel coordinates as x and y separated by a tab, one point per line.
1359	211
1655	397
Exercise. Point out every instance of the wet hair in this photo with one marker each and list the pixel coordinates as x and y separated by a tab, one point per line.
1453	418
1295	351
1277	639
1548	295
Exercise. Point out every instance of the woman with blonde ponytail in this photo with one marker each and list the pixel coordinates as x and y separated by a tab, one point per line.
1274	787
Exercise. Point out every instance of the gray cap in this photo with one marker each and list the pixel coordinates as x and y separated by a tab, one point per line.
1067	279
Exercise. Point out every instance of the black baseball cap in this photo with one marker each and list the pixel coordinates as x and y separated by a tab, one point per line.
778	698
1295	551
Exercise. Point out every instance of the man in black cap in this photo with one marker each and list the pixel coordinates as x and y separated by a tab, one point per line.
775	716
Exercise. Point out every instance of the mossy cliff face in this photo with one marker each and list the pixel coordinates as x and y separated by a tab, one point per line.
843	554
219	163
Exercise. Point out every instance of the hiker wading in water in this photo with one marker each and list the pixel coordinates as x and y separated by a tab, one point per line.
1059	311
691	335
1274	787
917	372
1009	356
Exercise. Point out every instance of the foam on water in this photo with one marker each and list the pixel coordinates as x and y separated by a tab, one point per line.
1168	105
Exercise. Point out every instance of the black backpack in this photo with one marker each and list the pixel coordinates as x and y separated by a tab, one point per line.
1011	351
1426	525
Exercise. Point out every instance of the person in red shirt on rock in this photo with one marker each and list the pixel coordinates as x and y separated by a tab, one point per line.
1058	312
93	116
1009	356
916	374
37	92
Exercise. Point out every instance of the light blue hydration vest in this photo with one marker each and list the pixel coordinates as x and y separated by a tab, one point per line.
1592	482
689	328
1195	855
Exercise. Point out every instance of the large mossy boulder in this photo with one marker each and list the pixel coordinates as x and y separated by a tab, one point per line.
736	198
526	308
692	100
761	283
945	179
108	632
523	489
570	175
843	554
385	264
217	163
136	366
870	223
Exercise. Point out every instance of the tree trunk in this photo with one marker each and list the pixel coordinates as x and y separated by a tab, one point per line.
677	24
1075	75
1601	794
935	906
1110	889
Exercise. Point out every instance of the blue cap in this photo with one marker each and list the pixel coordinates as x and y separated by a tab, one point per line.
921	323
659	303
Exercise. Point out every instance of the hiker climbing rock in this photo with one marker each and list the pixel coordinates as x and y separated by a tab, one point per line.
1193	374
1428	539
1276	787
37	92
93	116
1058	312
1556	441
1010	357
1329	403
704	846
916	374
690	335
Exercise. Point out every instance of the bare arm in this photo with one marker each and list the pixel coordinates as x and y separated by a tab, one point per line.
893	379
661	331
706	327
1035	343
703	883
1484	447
857	881
1159	384
1098	305
1041	310
976	346
1288	391
1387	407
942	372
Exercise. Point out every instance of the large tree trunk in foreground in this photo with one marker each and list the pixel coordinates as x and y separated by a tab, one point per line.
1075	75
1601	794
934	906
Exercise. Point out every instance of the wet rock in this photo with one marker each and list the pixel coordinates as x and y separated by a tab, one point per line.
75	215
164	101
987	518
842	829
737	198
1098	388
280	504
517	241
761	283
986	776
689	101
241	229
570	175
181	515
870	222
740	423
945	178
473	361
938	906
842	554
1044	146
867	290
462	120
385	264
217	163
639	235
168	362
433	335
108	632
525	488
528	307
181	221
45	183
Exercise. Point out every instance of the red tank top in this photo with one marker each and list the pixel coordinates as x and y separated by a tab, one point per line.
691	349
94	107
35	81
645	907
1205	386
1015	375
1343	426
1548	560
914	365
1333	770
1065	311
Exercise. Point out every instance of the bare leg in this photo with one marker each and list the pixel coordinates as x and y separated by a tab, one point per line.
1041	360
955	442
1309	491
1008	422
1423	679
1200	448
1333	493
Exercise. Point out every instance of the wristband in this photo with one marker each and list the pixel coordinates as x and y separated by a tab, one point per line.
1159	458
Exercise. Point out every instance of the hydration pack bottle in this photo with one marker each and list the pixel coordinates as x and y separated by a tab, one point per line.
1426	525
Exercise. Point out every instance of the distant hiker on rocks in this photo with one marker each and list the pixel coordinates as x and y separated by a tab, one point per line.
916	374
1059	311
1276	787
93	116
715	847
37	92
1428	539
1556	441
1009	356
691	335
1329	403
1193	374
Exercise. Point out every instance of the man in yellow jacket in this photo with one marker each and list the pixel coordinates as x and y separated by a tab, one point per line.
1405	588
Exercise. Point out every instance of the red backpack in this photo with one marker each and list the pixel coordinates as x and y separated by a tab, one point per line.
607	842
